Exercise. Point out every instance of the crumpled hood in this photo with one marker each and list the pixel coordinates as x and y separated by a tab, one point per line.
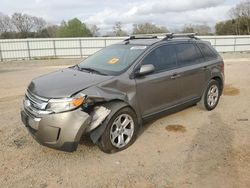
64	83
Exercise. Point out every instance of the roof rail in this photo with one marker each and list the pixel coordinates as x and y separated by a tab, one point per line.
132	37
176	35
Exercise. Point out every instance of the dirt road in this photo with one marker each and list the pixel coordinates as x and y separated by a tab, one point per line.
191	148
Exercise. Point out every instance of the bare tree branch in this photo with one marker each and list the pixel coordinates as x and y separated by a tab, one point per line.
5	24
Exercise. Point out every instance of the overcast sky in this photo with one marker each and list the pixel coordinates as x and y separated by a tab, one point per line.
104	13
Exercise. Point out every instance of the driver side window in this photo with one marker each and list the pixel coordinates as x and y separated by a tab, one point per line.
163	58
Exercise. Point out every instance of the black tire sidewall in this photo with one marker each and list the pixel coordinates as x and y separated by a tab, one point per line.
104	142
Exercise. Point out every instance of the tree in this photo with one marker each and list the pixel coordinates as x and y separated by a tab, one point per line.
188	29
94	30
241	16
27	25
5	24
239	24
226	28
39	24
199	29
118	31
73	28
49	32
9	35
22	22
148	28
203	29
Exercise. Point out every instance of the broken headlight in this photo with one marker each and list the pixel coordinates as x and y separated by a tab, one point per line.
66	104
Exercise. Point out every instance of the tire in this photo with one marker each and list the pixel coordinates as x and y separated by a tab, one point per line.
211	96
111	140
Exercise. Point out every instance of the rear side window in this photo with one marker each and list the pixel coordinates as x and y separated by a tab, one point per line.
163	58
207	52
188	54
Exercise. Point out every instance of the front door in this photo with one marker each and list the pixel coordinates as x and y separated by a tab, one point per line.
160	89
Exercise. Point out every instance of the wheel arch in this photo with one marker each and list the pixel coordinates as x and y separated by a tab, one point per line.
114	105
220	81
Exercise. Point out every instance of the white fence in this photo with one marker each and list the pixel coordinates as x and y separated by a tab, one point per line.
80	47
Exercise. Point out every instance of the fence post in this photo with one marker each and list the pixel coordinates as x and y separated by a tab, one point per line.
235	43
105	42
1	55
215	42
80	43
54	47
28	48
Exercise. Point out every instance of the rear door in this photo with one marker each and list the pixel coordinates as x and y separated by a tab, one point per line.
192	71
158	90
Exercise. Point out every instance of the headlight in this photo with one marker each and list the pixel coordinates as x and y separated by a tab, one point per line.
62	105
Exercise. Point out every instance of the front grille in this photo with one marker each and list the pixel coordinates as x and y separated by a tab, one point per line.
36	101
35	105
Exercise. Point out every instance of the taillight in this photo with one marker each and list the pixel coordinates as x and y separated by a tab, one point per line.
222	67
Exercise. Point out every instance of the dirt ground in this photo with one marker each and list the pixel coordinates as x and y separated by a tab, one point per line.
191	148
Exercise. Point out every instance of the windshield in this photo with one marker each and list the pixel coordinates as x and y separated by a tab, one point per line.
113	60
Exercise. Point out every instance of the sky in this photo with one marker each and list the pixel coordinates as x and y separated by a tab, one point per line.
173	14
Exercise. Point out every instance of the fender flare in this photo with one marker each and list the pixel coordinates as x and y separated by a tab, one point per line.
114	106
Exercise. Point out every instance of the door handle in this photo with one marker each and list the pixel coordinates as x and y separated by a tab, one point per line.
175	76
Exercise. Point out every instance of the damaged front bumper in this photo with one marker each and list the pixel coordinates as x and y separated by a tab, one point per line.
61	131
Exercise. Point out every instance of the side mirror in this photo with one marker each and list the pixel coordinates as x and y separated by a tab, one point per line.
146	69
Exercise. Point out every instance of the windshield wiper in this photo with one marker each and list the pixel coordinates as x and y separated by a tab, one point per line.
90	70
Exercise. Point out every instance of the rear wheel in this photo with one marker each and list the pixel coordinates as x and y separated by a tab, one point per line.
120	133
211	96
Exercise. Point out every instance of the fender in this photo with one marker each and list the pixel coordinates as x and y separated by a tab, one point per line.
114	106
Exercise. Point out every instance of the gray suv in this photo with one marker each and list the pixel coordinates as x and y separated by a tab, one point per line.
109	95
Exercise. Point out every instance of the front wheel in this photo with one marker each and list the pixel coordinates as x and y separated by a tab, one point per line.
120	133
211	96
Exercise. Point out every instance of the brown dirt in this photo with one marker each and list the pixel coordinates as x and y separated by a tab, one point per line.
214	152
229	90
176	128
